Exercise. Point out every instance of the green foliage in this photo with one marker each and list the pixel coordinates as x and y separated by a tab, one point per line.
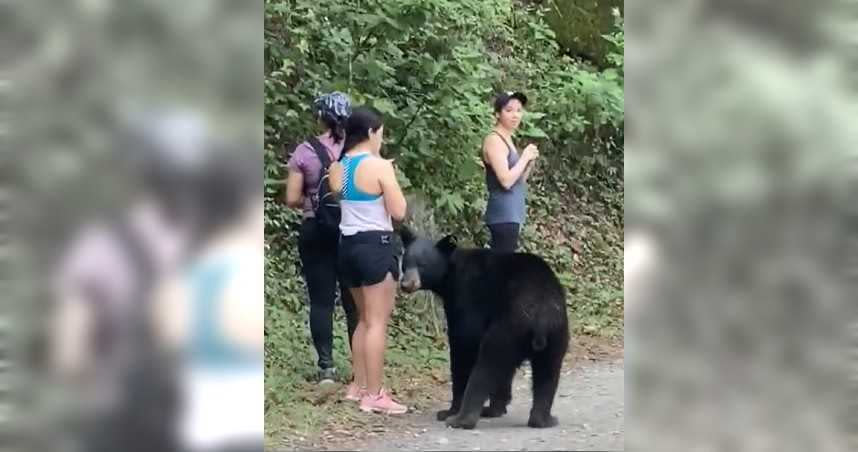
580	25
432	68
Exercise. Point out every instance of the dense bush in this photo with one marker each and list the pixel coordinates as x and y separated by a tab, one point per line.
580	24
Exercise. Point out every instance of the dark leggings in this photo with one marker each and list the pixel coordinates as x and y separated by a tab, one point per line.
504	237
319	266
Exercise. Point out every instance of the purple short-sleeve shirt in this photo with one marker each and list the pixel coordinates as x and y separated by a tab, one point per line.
305	161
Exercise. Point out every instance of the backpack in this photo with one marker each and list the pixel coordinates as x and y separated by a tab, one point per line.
326	205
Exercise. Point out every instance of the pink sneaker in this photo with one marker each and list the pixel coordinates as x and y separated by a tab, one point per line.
354	392
381	403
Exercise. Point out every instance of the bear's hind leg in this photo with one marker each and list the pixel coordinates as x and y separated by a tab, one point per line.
546	366
500	398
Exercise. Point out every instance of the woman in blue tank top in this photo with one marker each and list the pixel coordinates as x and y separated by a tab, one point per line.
506	173
210	314
370	198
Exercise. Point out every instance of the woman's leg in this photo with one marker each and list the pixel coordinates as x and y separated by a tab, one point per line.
359	339
378	301
321	279
504	237
346	297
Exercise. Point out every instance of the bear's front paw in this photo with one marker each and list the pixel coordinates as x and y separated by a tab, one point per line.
444	414
542	421
459	421
493	411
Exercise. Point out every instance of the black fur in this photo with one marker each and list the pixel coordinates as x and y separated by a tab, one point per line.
501	309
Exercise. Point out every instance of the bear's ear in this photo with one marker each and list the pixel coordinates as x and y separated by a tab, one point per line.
448	244
408	237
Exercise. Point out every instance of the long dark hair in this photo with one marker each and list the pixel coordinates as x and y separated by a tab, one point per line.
229	182
357	127
338	130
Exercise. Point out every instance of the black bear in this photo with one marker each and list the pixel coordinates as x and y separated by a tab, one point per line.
501	309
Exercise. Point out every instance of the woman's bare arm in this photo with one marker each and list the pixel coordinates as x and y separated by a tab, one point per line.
295	189
496	153
394	199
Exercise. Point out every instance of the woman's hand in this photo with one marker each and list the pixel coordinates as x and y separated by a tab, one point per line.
394	199
531	152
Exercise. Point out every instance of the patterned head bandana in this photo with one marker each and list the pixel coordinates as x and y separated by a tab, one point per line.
334	107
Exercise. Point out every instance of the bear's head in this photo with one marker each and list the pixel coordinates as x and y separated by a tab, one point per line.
425	262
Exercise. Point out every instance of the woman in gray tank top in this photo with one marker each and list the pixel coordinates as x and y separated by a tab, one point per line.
506	173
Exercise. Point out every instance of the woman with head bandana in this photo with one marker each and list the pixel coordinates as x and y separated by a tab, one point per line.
318	250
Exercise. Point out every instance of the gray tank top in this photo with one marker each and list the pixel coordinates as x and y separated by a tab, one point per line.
505	206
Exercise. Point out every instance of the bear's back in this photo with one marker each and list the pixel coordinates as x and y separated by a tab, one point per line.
492	282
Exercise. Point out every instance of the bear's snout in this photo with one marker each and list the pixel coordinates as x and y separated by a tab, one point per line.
410	281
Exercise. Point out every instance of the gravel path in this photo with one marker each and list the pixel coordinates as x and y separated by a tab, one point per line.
589	404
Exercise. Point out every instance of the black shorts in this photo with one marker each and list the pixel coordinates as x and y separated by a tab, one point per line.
367	257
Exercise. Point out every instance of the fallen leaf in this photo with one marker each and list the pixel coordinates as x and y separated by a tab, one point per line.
577	246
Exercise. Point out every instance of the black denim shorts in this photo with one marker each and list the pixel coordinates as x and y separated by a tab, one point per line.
367	257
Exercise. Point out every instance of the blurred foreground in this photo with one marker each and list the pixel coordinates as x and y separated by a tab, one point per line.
741	246
135	320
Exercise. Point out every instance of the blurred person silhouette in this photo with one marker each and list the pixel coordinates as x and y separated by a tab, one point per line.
212	314
103	347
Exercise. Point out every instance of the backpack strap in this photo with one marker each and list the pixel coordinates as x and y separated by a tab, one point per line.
146	272
141	260
321	152
149	402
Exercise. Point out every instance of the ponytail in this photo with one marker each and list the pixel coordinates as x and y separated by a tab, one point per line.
357	127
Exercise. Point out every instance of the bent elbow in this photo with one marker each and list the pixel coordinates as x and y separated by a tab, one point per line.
398	214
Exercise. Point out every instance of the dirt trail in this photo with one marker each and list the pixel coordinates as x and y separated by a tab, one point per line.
589	405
